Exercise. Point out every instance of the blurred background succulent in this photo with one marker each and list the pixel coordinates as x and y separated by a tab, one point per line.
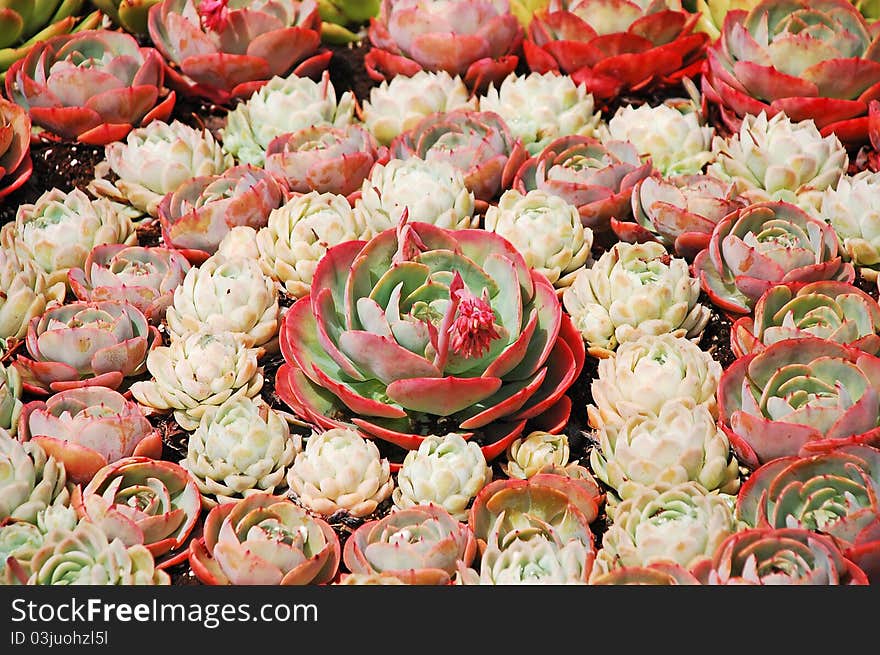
535	453
130	15
30	480
343	19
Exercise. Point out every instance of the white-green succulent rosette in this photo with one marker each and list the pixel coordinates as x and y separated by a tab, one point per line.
299	234
645	374
10	398
398	105
21	540
633	290
539	108
30	480
853	210
283	105
241	447
683	524
199	371
430	192
683	443
26	293
773	159
535	453
156	159
446	471
239	242
339	470
546	229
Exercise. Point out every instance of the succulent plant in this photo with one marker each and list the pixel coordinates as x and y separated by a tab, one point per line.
419	544
299	234
683	524
412	340
546	230
680	212
673	135
763	245
446	471
478	143
201	211
240	448
596	178
155	160
853	211
811	59
525	10
198	371
427	191
282	106
779	556
379	579
20	540
779	159
30	480
654	44
155	501
10	398
86	344
59	230
220	53
799	396
16	165
541	108
633	290
130	15
26	293
680	444
92	86
86	429
264	540
86	556
656	573
836	311
226	295
143	277
240	242
628	384
477	40
713	12
535	453
340	470
343	17
324	158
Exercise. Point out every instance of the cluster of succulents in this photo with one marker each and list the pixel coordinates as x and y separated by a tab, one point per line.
549	265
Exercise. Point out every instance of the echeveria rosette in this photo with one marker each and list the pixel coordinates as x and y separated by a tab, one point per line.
541	108
633	290
835	493
340	470
680	212
198	371
299	233
152	502
766	244
680	444
479	144
836	311
92	86
264	540
87	429
16	165
683	524
155	160
424	322
447	471
628	383
342	19
656	573
86	344
10	398
853	211
86	556
26	293
30	480
324	158
799	397
422	545
811	59
546	230
535	453
220	53
398	105
58	231
145	277
200	212
20	540
779	556
616	46
240	448
595	177
476	40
